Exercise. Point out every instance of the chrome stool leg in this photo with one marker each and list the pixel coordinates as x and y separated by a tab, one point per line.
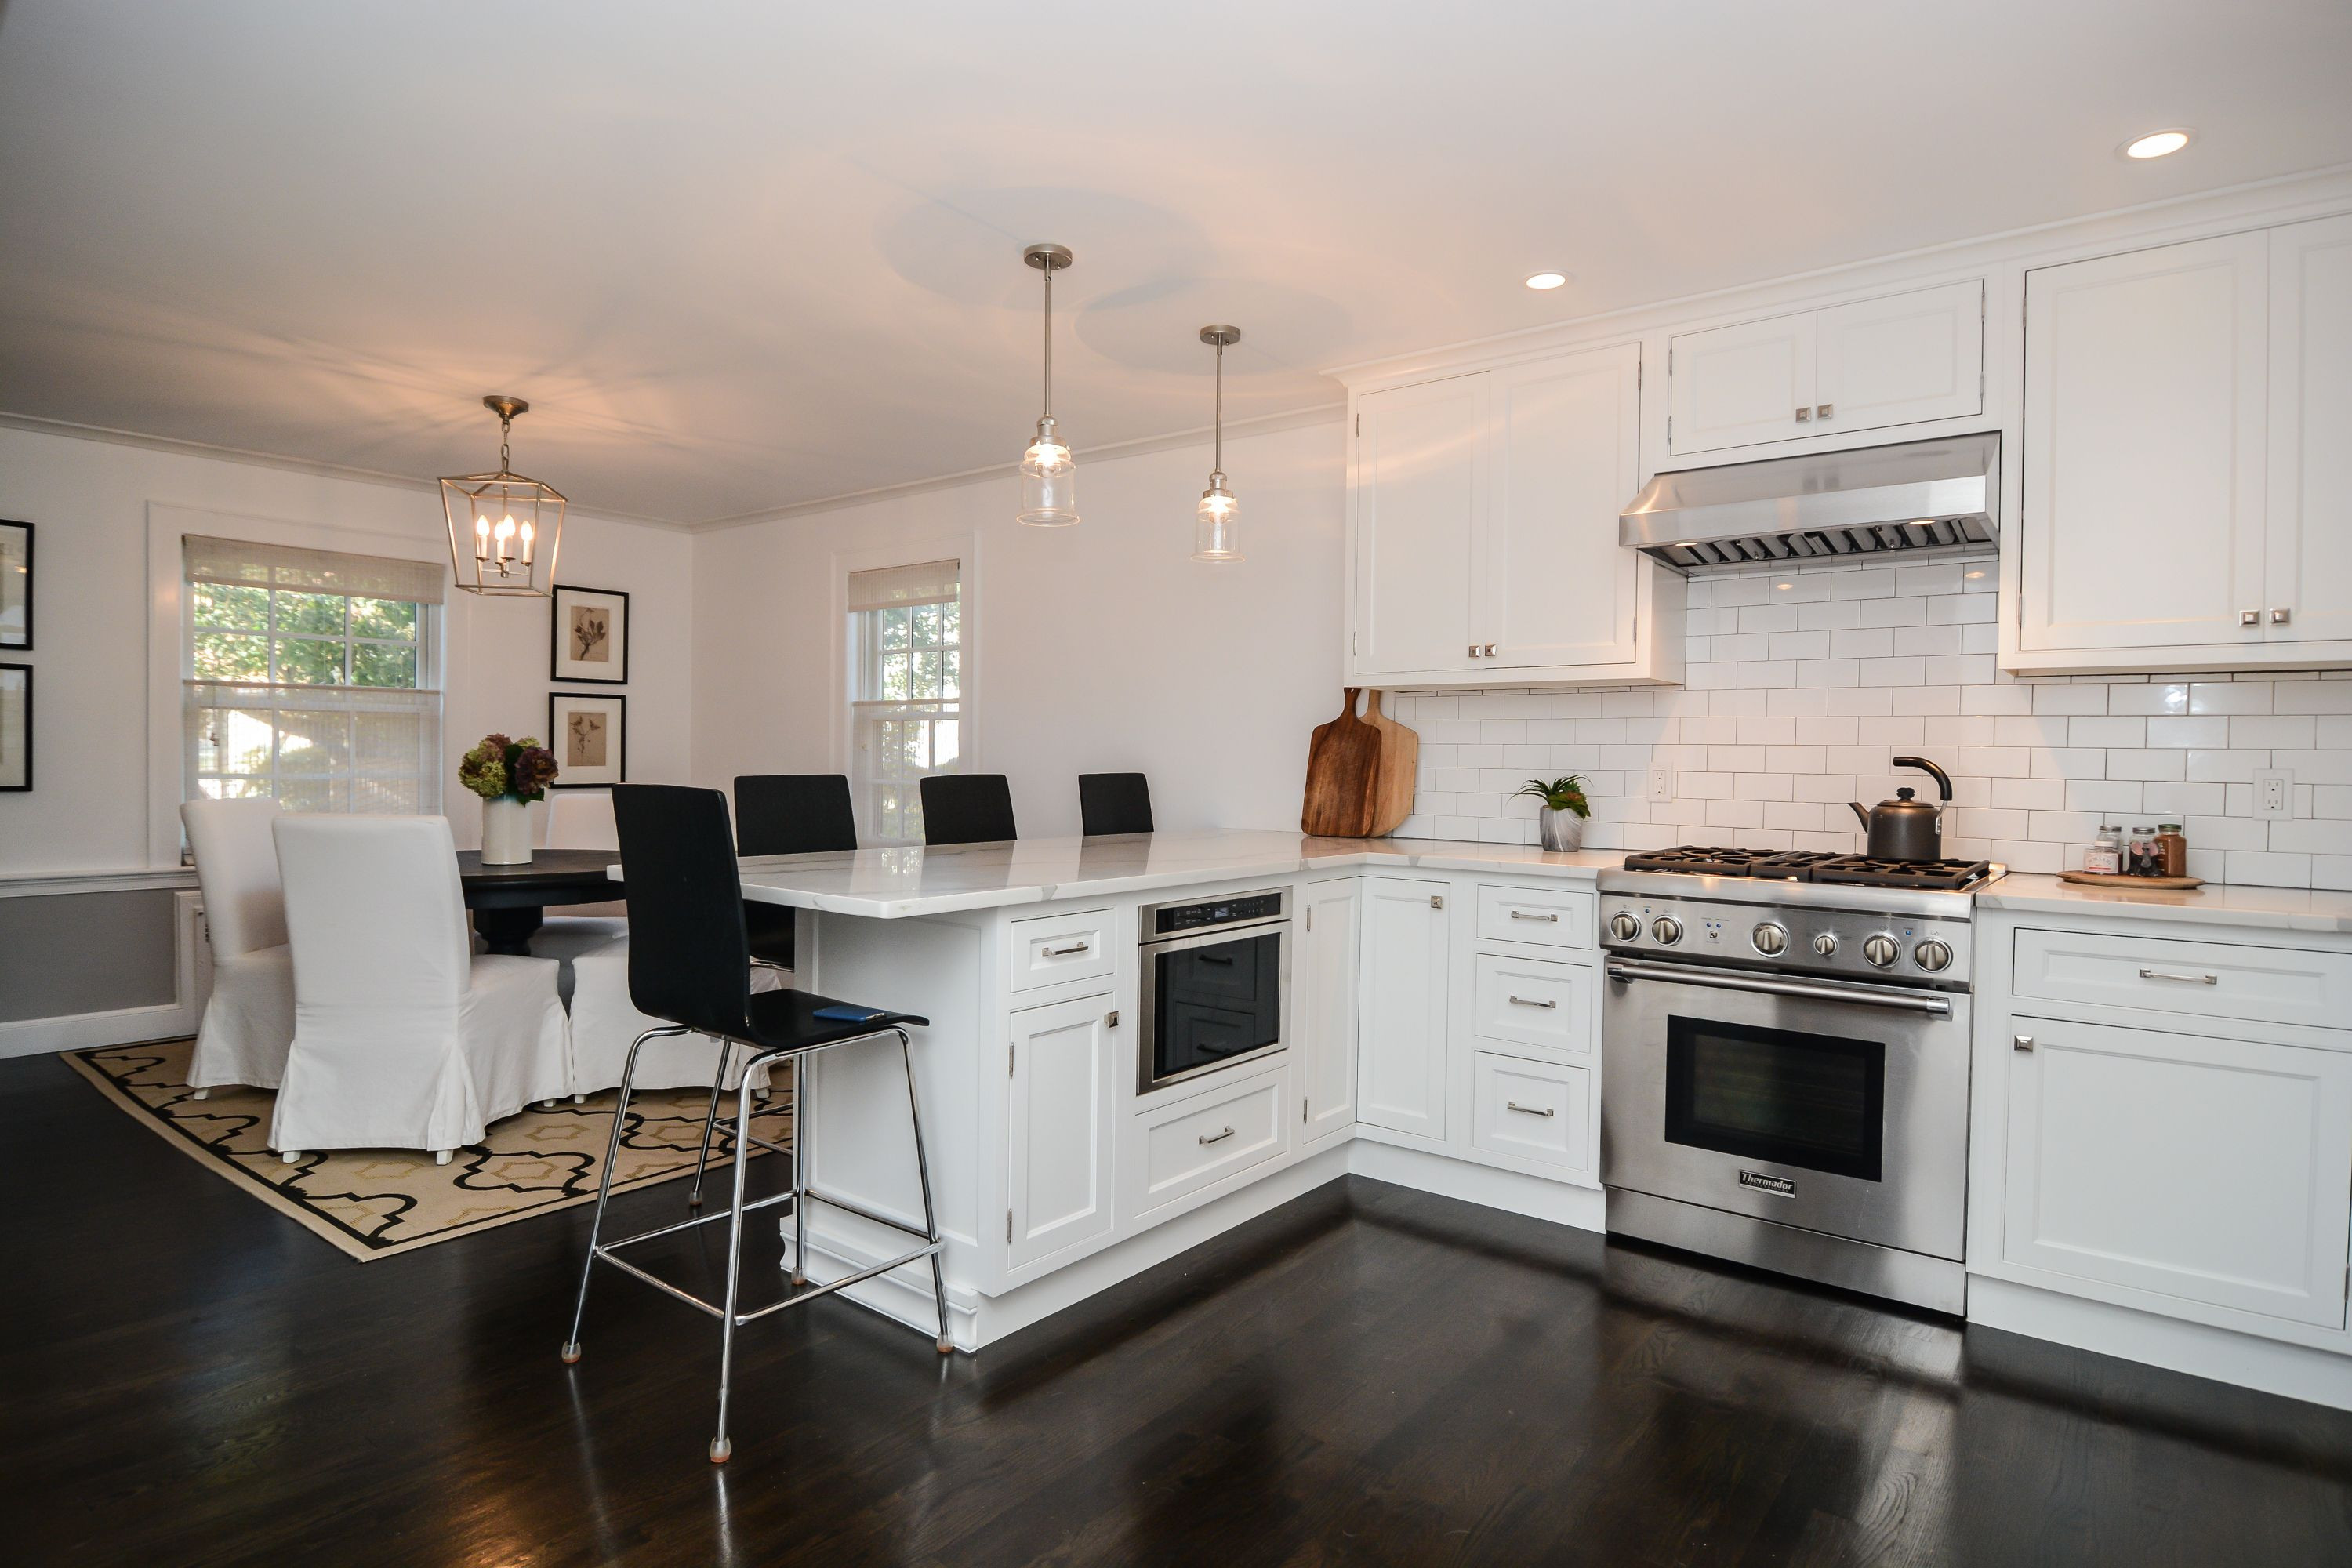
709	1121
604	1185
721	1446
923	1176
802	1166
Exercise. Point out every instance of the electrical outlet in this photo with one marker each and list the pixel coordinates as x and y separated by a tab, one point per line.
1661	784
2274	794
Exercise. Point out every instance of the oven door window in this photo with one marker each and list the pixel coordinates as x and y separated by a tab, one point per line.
1215	1002
1811	1100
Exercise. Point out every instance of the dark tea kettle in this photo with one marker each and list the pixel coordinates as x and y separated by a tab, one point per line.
1904	828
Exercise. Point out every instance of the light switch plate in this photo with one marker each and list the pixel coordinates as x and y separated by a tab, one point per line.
1661	784
2274	794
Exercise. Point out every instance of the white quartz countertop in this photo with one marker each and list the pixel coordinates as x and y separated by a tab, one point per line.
2277	908
897	883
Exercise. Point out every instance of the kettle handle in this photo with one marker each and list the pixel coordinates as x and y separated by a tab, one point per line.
1943	780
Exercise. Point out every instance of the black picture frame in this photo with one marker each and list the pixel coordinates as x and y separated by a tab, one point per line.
557	619
10	642
27	671
563	778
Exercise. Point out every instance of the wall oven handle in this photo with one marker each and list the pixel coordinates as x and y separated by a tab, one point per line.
1929	1002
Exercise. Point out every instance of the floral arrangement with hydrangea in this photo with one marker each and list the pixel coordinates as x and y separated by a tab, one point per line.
518	769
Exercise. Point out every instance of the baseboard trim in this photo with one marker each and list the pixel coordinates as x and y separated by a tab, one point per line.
1489	1186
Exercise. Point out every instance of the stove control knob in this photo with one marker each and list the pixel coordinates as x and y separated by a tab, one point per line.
1771	939
1932	956
1825	944
1667	930
1881	950
1624	926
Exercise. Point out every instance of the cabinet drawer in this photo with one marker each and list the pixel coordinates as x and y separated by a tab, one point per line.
2259	985
1537	1110
1189	1146
1533	1002
1052	948
1554	916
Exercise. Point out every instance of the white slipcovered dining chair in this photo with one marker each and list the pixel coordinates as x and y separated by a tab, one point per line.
403	1038
249	1019
580	819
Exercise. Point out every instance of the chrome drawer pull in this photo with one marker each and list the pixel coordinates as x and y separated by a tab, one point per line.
1216	1137
2187	979
1065	952
1523	915
1531	1002
1530	1109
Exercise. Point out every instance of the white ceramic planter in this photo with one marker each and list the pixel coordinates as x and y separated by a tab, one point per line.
506	832
1560	829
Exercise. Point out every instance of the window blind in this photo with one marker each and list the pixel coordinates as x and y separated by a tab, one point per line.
316	748
891	587
240	562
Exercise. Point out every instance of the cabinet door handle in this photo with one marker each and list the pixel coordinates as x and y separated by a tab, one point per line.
2020	1042
1065	952
1824	411
1804	416
2275	615
2250	617
2186	979
1474	646
1523	915
1532	1002
2278	618
1216	1137
1436	901
1530	1110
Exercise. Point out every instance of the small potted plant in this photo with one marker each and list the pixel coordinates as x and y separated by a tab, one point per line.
1560	823
509	775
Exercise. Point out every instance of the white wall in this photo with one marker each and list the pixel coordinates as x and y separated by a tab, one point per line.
1098	648
89	809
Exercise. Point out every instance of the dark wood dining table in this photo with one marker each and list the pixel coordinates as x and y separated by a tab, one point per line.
508	902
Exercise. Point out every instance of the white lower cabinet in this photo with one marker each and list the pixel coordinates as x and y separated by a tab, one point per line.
1177	1150
1532	1109
1058	1133
1532	1002
1400	1041
2212	1169
1325	977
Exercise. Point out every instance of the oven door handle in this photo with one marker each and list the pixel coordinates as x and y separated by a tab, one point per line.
1929	1002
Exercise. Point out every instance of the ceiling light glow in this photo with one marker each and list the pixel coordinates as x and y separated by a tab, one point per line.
2157	143
1547	280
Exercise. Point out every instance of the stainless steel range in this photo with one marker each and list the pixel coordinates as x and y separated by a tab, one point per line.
1786	1078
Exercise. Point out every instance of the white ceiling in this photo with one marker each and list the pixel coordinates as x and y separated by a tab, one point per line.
741	256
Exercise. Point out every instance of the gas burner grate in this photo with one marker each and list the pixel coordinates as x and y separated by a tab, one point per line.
1715	860
1861	871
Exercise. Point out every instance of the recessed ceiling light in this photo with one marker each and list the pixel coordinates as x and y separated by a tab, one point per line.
2157	143
1547	280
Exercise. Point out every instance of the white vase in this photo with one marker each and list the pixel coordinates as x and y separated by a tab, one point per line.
505	831
1561	830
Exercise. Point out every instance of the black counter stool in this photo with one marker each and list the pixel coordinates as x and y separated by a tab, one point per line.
788	814
1114	803
967	809
690	965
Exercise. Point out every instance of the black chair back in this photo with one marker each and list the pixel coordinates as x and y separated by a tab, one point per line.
689	958
1115	802
967	809
793	814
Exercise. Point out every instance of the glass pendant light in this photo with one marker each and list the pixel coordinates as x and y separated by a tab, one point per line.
504	529
1049	493
1217	522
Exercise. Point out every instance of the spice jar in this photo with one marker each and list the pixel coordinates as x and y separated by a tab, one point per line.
2105	855
2142	861
2171	850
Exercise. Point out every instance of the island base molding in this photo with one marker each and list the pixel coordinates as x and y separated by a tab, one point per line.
2199	1350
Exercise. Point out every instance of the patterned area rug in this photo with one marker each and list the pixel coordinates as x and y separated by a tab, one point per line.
373	1203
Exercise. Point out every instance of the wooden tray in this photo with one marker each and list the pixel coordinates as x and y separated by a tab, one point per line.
2115	879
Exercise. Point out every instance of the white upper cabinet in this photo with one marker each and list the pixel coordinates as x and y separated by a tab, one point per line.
2183	500
1901	360
1482	527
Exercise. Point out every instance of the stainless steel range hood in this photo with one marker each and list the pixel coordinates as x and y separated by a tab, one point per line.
1918	495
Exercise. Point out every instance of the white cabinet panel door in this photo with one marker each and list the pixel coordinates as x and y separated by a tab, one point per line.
1401	1051
1900	359
1561	590
2309	567
1323	1006
1059	1137
1420	480
2144	448
2210	1170
1736	386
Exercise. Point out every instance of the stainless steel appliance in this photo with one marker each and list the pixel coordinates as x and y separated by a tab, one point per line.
1214	979
1786	1077
1904	828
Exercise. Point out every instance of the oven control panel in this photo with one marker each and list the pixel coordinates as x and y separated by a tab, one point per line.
1168	919
1853	944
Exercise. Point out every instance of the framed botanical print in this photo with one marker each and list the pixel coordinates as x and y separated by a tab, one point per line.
589	732
15	726
591	636
15	585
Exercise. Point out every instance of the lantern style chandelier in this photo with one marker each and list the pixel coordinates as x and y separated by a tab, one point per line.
1217	522
1049	495
504	529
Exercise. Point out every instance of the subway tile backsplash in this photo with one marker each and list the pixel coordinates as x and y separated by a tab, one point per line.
1803	684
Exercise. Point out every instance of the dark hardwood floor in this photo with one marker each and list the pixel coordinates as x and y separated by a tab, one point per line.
1366	1375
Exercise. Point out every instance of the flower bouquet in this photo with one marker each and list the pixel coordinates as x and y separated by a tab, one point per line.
509	775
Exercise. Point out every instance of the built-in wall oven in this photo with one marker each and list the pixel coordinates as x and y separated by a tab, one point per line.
1215	983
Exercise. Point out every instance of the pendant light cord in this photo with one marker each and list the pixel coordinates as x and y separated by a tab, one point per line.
506	433
1048	411
1217	448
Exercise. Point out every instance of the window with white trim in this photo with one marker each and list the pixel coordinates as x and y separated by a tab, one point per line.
312	676
907	718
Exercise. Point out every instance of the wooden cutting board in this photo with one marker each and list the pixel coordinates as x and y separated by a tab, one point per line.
1400	766
1343	763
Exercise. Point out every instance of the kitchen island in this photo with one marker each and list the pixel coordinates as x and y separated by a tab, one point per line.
1059	1168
